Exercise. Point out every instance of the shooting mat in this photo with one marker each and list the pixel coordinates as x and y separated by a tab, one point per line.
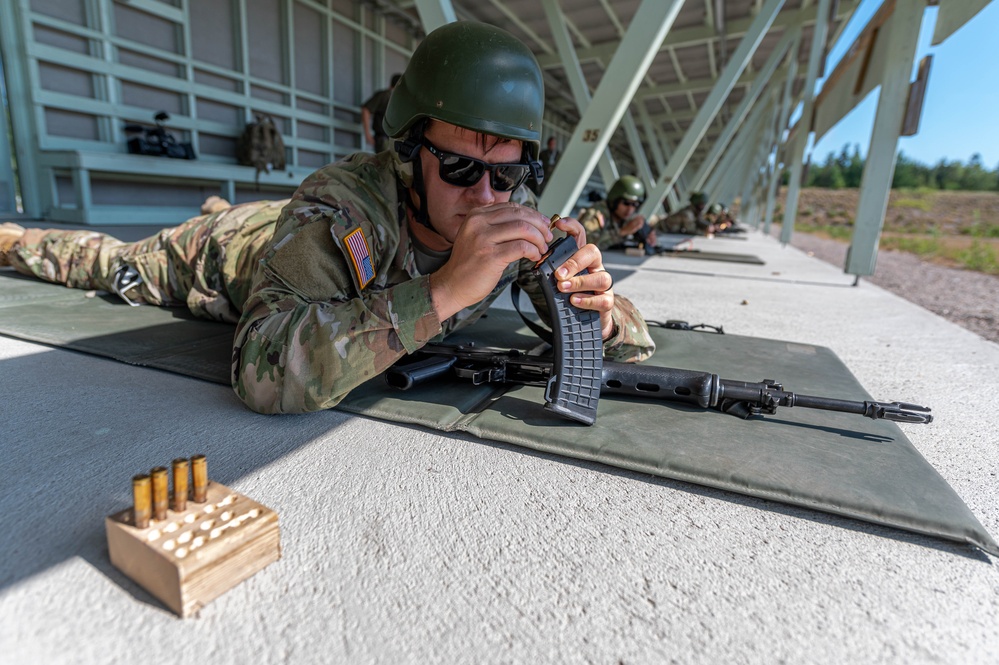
838	463
675	245
702	255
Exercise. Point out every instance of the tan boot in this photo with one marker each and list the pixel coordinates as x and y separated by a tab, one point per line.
10	233
214	204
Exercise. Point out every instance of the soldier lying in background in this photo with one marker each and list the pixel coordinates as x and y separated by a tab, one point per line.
613	221
690	220
722	220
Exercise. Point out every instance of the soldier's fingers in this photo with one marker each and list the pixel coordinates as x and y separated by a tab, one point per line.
571	226
597	281
587	257
604	280
601	302
510	212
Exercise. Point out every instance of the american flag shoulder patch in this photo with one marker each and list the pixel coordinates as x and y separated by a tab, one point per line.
357	247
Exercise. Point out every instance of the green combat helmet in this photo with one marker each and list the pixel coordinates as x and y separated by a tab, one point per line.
475	76
697	199
627	187
471	75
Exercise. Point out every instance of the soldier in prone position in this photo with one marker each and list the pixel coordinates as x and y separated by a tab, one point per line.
374	256
615	220
690	220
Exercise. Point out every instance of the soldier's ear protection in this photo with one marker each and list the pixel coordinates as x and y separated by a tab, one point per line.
408	148
537	169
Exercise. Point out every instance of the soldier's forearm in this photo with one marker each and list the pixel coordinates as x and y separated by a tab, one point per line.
291	356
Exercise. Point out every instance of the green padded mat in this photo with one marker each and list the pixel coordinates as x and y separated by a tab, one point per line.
701	255
838	463
679	246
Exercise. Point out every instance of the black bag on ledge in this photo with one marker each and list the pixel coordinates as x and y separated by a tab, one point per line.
157	141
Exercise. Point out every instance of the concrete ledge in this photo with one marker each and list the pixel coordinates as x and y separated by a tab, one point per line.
222	178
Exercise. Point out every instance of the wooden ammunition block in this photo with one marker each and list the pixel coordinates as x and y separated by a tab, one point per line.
194	556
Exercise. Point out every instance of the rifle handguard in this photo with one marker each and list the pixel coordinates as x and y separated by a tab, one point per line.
574	388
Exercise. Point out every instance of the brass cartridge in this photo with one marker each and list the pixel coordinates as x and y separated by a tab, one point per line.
180	488
141	500
199	477
160	494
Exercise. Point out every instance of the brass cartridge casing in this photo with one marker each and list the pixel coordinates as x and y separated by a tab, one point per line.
141	500
160	493
180	486
199	477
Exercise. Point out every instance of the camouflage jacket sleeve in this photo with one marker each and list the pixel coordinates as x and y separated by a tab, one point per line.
331	305
599	227
592	221
681	221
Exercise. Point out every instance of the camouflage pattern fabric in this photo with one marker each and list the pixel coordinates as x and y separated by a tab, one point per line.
206	263
324	286
600	227
686	221
338	298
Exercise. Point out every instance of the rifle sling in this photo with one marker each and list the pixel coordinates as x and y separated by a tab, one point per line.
539	330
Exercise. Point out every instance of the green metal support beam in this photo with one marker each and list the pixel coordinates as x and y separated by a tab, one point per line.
713	103
785	114
649	26
577	82
13	53
762	80
875	184
435	13
815	58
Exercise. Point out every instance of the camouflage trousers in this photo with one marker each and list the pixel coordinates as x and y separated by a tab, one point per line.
206	263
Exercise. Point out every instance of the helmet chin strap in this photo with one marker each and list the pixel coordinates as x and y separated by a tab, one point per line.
421	215
409	151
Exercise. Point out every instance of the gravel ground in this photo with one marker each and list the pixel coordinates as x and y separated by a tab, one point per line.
967	298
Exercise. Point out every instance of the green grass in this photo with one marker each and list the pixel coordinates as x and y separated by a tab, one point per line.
968	244
920	198
920	246
834	231
981	257
981	230
918	204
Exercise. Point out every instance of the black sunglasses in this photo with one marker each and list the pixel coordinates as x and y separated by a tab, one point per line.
634	203
463	171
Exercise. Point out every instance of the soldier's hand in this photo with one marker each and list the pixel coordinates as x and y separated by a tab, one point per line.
491	238
591	291
632	226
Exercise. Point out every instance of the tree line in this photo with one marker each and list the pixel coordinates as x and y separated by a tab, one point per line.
845	170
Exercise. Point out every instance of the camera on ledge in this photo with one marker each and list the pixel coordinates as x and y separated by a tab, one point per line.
157	141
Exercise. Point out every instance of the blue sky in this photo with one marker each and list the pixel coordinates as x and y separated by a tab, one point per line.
961	107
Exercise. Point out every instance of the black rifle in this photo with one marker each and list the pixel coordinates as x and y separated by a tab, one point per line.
703	389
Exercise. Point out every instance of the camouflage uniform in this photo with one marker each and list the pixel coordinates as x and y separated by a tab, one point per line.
328	312
206	263
318	316
686	221
601	230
